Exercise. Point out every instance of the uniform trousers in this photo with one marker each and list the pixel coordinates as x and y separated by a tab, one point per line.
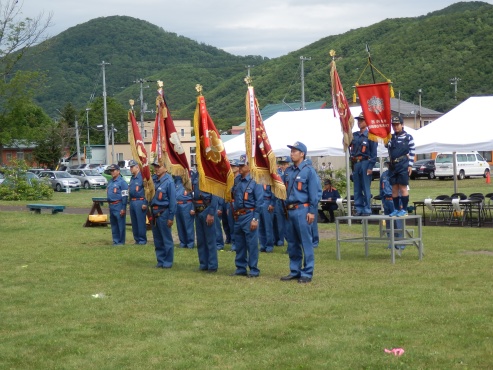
279	224
206	242
184	225
362	182
117	224
163	240
300	243
246	242
266	229
138	219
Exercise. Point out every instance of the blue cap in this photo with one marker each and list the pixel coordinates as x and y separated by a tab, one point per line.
156	162
243	160
397	119
113	167
233	162
132	163
283	159
298	146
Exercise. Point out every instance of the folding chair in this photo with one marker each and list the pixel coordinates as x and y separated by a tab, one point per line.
488	208
457	213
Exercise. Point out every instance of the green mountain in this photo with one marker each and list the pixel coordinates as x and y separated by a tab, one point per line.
423	52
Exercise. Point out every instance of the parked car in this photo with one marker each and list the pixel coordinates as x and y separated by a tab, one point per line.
89	178
124	172
30	178
2	177
36	171
468	164
423	168
60	180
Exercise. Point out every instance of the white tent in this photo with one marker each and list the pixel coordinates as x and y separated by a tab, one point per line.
318	129
466	127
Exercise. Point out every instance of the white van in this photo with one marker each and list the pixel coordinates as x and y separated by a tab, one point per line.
124	164
468	164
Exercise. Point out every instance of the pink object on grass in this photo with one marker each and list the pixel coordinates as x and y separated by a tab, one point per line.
395	351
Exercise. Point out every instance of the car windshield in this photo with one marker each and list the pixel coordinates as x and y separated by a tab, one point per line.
125	172
91	173
444	158
63	175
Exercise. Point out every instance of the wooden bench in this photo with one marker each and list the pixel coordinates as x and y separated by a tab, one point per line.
38	207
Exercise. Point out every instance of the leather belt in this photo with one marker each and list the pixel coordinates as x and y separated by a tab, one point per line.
136	198
115	202
290	207
243	211
358	158
399	159
159	207
183	201
388	198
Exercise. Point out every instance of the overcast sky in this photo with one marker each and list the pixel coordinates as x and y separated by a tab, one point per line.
253	27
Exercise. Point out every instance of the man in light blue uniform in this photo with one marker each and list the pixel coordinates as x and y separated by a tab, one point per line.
138	204
314	225
363	157
205	210
163	207
266	226
184	215
117	193
302	187
279	216
248	202
388	203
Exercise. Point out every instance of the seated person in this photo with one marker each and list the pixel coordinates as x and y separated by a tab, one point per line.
329	193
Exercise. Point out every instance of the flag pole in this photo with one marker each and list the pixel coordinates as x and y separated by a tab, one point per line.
369	61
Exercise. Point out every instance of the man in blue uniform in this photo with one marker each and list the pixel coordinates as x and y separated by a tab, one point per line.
163	207
279	216
184	215
138	204
248	202
401	155
328	193
363	157
302	187
266	222
388	203
229	208
205	210
117	193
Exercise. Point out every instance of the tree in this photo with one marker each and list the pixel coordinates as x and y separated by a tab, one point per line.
17	35
49	147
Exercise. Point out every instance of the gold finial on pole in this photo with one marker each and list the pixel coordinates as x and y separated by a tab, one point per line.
248	80
131	102
160	84
199	88
332	53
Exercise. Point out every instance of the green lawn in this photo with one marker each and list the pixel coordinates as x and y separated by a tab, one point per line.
440	309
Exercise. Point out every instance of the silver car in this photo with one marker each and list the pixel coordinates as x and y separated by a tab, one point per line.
89	178
60	180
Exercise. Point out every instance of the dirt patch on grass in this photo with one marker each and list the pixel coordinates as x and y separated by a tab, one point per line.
489	253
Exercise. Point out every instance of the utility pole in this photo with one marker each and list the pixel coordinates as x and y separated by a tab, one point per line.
455	81
143	108
105	113
88	140
303	81
77	141
248	67
419	98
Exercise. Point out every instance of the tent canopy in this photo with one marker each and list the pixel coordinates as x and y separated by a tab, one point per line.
318	129
466	127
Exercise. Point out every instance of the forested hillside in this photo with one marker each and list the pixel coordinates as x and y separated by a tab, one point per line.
415	53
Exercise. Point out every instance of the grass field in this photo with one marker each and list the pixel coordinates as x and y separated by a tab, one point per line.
70	300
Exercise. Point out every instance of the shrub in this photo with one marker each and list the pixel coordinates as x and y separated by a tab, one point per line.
19	185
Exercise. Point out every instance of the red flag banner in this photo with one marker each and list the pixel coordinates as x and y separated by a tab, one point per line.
172	152
375	102
139	155
262	159
216	176
340	104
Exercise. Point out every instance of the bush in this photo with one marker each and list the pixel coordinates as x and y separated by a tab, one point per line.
19	185
338	178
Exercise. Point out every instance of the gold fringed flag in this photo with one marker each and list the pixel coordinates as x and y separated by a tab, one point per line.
375	102
172	152
340	104
139	155
262	159
216	176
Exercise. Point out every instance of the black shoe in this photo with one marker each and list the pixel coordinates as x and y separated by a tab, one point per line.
304	280
239	274
252	276
289	277
211	271
263	251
